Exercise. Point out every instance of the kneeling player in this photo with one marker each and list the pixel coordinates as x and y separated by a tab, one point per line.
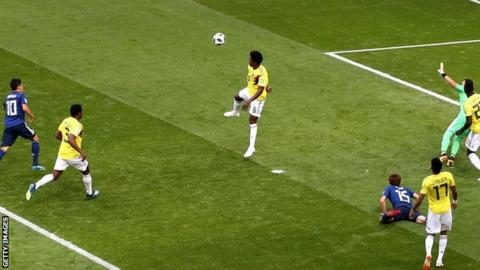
400	197
70	134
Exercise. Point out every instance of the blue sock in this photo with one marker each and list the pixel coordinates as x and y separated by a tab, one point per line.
1	154
35	152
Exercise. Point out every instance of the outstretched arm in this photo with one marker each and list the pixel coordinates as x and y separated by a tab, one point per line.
447	78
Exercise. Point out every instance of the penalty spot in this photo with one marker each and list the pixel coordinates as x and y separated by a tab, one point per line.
278	171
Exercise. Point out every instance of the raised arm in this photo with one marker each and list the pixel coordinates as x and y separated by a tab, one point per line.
449	80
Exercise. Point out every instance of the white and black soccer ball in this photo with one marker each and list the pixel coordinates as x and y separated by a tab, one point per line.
219	39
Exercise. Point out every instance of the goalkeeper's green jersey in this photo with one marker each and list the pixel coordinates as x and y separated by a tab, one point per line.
462	97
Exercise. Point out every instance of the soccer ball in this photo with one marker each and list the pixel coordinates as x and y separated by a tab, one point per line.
219	39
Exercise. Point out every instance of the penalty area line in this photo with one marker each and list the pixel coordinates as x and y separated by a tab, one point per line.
392	78
413	46
59	240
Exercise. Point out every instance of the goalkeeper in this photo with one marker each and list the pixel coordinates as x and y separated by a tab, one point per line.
459	121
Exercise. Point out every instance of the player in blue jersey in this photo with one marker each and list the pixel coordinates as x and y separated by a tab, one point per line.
401	200
16	107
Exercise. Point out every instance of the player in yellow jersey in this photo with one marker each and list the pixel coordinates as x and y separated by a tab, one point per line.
70	134
437	187
472	113
253	96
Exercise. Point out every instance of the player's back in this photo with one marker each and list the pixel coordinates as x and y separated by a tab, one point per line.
399	197
437	188
14	114
472	108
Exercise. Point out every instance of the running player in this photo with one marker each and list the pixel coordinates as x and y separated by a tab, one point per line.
472	121
16	107
70	134
459	121
253	96
437	187
400	198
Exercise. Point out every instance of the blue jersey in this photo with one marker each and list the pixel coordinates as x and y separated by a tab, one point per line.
400	197
14	114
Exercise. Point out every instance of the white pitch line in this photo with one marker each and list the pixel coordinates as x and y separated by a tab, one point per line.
390	77
475	1
411	46
59	240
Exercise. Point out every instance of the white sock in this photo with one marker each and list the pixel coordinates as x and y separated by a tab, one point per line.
429	244
87	181
442	245
475	160
253	135
45	179
236	105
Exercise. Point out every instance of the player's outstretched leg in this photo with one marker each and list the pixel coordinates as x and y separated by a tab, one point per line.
442	245
35	153
237	102
43	181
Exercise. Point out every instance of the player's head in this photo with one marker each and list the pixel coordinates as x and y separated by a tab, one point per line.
436	165
394	179
468	86
76	111
16	85
256	59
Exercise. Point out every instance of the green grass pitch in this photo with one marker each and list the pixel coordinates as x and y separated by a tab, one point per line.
176	192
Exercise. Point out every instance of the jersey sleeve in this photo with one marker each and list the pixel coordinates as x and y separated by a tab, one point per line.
386	192
451	180
468	109
76	129
424	189
460	88
23	99
410	193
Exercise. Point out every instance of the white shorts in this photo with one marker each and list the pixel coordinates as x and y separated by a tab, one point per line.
473	141
256	106
437	223
77	163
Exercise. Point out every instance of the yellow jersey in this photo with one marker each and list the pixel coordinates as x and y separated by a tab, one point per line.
437	188
255	78
68	126
472	108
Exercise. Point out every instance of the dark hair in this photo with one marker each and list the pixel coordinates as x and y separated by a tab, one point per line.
468	85
256	57
75	109
436	165
15	83
394	179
